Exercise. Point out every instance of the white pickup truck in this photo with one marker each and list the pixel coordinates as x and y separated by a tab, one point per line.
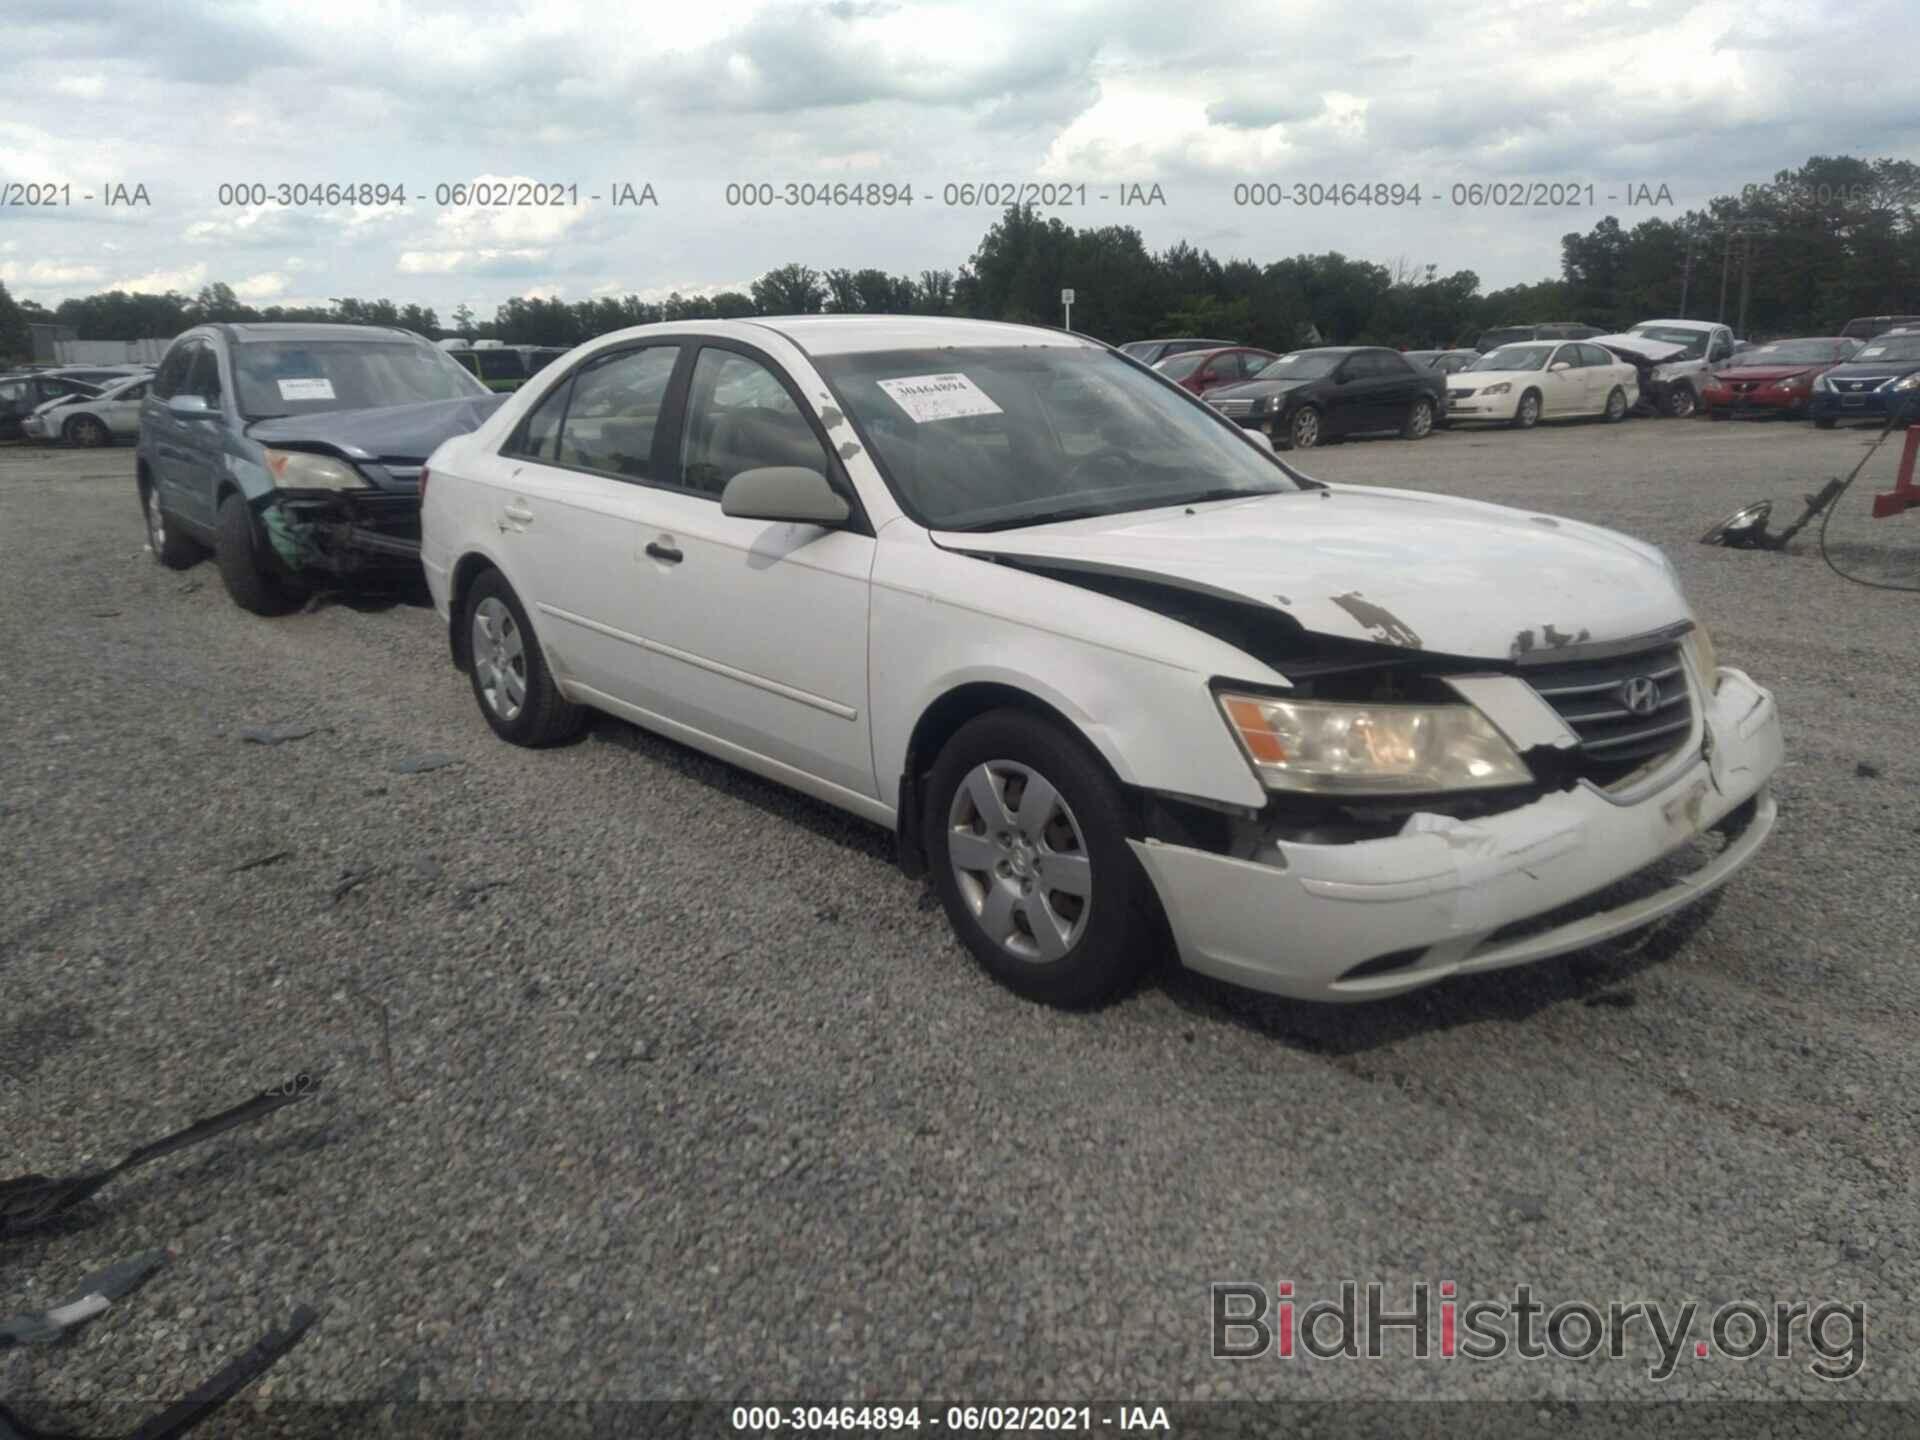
1673	358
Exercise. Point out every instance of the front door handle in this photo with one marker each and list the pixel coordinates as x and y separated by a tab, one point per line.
518	512
665	553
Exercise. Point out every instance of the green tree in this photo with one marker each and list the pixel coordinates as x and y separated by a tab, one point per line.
16	340
789	290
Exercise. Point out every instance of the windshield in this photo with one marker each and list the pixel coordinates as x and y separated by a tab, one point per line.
1494	339
1303	365
308	377
1181	366
1890	347
1514	357
1141	349
1695	341
1789	352
990	438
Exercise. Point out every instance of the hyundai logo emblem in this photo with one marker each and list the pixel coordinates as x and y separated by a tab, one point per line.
1641	695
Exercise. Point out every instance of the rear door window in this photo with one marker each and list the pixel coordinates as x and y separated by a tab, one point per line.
613	412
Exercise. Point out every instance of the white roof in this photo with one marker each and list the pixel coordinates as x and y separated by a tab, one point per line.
853	334
1682	324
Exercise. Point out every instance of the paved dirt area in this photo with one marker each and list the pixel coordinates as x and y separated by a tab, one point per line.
643	1078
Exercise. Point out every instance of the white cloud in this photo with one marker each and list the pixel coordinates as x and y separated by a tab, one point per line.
187	280
264	286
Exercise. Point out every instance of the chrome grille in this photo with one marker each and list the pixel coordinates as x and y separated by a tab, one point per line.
1592	697
1458	394
1233	407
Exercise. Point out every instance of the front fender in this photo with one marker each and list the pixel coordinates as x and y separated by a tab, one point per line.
1135	684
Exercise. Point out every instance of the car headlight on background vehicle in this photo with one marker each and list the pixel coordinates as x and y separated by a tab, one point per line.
297	470
1502	388
1271	403
1326	748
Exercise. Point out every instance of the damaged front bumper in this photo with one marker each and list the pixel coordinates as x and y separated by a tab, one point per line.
343	533
1444	897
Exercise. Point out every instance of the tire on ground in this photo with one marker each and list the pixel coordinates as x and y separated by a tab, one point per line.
1122	920
545	716
245	565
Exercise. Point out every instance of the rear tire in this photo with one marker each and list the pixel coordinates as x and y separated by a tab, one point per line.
1616	410
248	572
511	682
1026	839
169	544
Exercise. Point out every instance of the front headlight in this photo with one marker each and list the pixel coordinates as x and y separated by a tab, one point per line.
1502	388
1271	403
297	470
1334	749
1908	382
1706	662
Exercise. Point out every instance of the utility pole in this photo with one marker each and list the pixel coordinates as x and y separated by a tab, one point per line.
1726	254
1686	274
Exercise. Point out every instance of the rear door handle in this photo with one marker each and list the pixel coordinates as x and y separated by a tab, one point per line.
664	553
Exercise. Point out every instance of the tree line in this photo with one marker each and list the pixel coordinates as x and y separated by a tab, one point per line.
1798	254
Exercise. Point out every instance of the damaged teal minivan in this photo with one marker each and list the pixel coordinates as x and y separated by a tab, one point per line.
294	453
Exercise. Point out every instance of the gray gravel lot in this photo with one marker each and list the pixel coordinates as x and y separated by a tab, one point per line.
692	1095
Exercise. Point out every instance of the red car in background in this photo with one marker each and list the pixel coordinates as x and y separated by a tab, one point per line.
1201	370
1777	376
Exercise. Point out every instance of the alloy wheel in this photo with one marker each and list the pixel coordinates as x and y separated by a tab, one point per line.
1306	429
1020	860
499	658
156	520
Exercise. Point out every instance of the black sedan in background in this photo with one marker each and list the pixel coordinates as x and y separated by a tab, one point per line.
1309	396
1882	378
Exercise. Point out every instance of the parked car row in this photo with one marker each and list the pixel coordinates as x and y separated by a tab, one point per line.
1669	367
1108	667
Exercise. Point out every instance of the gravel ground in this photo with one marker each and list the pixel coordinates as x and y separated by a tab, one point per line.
646	1079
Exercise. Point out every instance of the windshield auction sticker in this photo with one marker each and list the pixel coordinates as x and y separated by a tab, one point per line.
939	397
321	389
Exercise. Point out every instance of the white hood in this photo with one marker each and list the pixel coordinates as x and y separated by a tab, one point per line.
1654	350
1398	567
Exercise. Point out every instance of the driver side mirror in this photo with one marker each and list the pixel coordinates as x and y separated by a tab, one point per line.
784	492
1561	365
190	407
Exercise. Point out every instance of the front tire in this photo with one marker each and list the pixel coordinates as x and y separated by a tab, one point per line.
87	432
1616	410
1824	422
1682	402
510	678
1526	414
247	571
1026	839
1419	422
1304	431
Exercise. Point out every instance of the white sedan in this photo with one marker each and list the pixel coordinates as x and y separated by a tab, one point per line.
94	419
1112	672
1524	383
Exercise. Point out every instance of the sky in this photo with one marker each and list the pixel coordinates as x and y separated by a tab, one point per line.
1698	97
